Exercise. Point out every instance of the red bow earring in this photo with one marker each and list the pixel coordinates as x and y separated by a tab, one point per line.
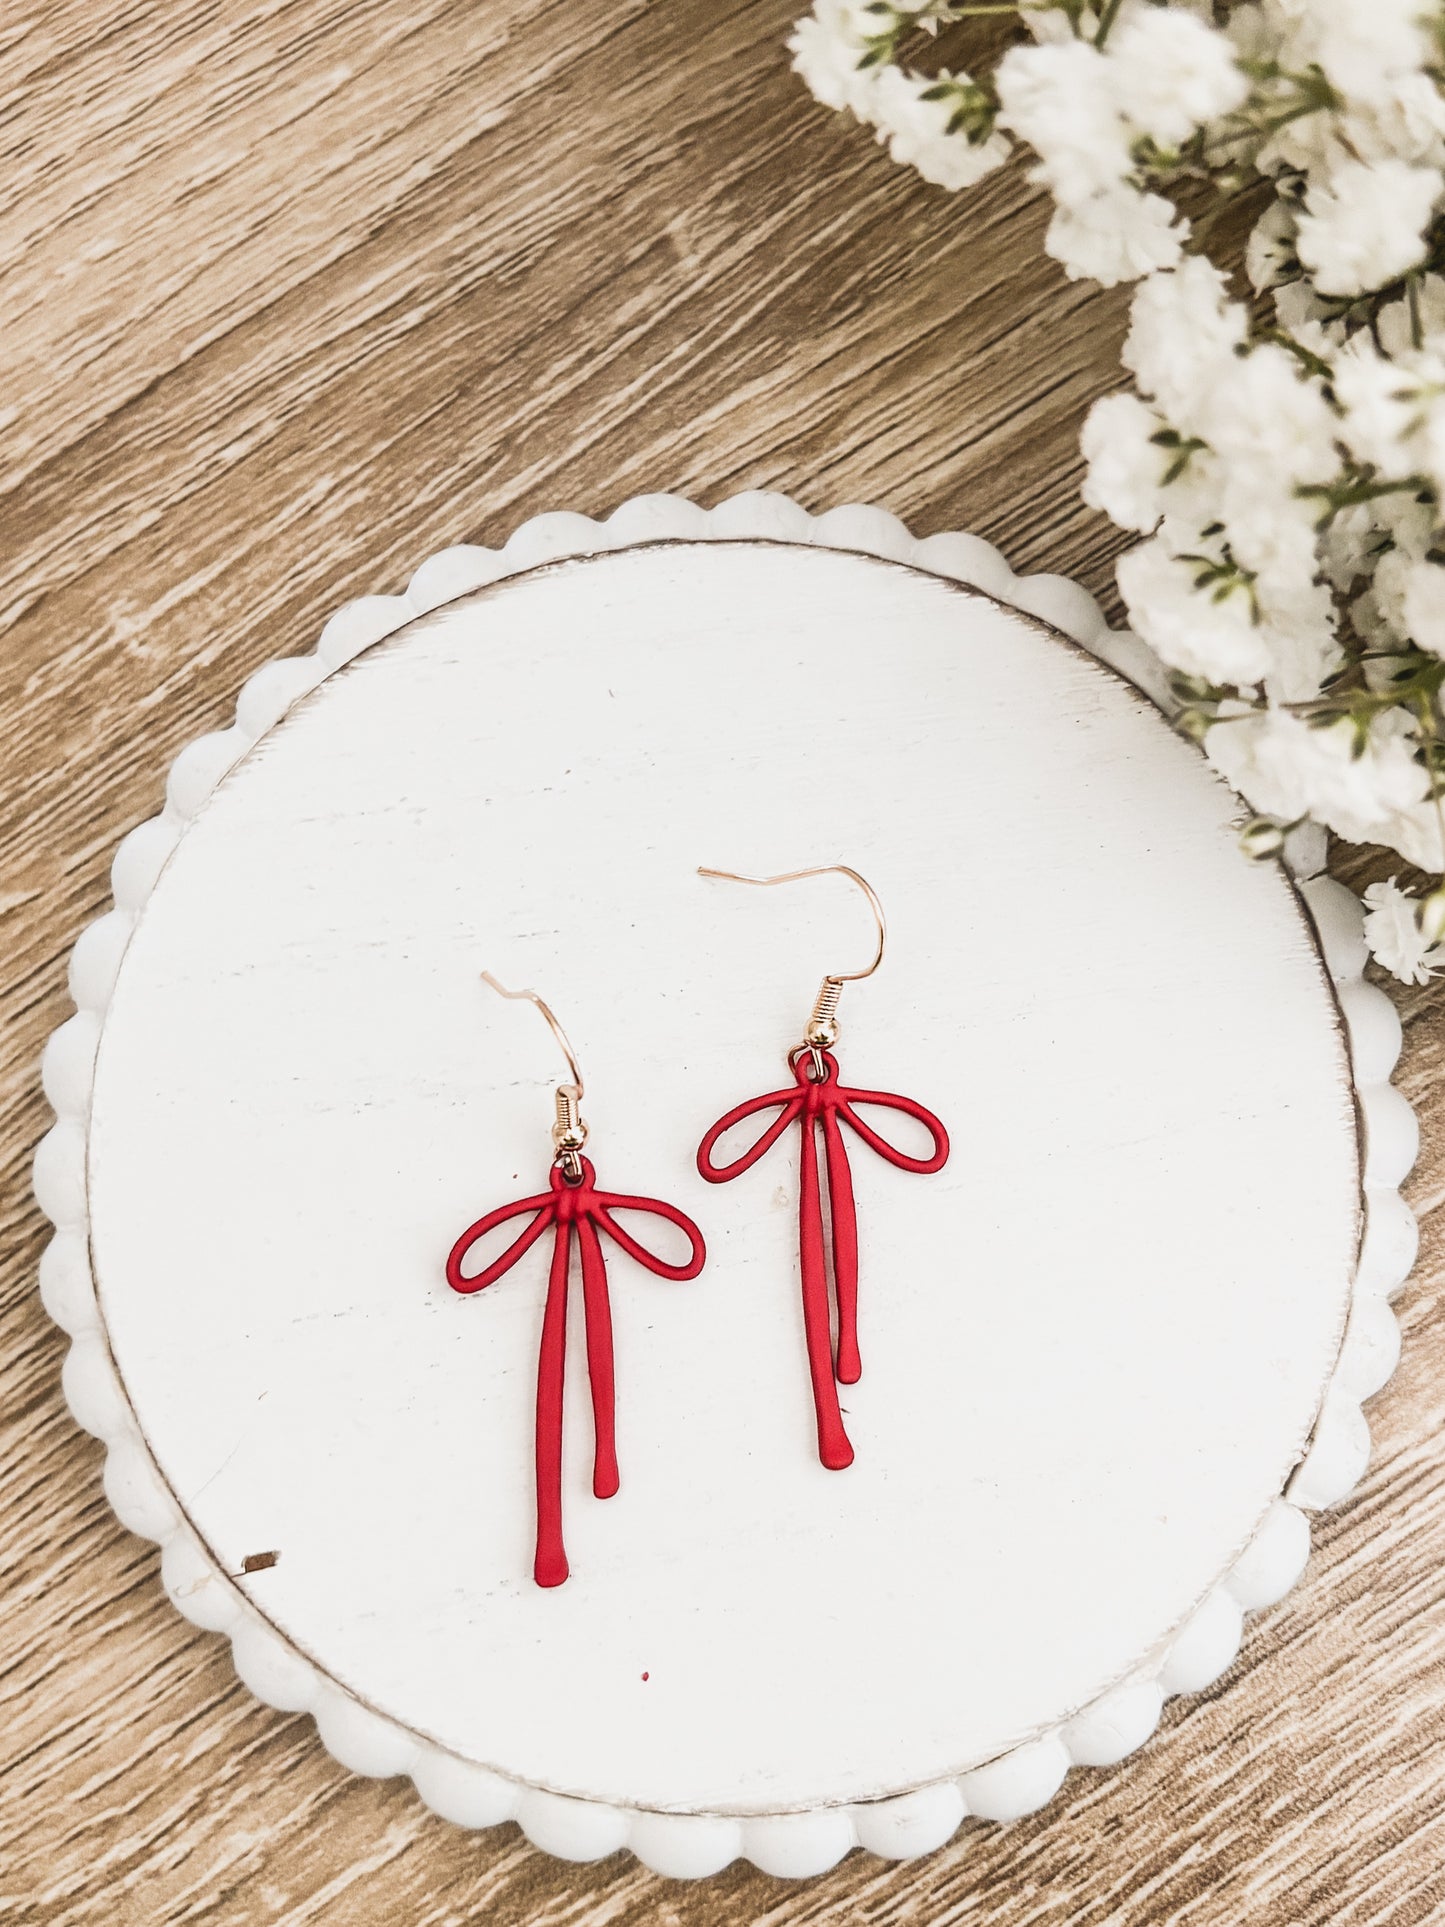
571	1206
823	1105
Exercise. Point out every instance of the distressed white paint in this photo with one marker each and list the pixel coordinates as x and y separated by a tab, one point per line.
1094	1347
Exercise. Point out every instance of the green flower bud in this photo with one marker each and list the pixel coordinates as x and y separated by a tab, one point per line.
1262	837
1432	915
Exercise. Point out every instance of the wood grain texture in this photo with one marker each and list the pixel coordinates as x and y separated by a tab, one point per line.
295	294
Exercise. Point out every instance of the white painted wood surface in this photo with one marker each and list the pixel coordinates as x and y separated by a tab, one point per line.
1071	1420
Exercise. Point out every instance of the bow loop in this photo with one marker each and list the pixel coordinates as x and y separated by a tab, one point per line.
888	1101
546	1210
607	1202
791	1102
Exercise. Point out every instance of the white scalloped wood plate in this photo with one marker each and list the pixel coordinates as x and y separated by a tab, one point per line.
1112	1353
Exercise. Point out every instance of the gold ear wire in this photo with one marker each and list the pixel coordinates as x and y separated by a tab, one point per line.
821	1031
569	1129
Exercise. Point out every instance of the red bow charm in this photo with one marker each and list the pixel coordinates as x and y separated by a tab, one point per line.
822	1103
572	1206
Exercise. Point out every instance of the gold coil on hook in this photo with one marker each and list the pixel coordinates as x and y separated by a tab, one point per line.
569	1132
822	1027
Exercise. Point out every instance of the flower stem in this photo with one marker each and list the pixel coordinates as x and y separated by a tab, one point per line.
1108	15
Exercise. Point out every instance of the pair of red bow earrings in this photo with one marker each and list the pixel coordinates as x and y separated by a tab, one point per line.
573	1207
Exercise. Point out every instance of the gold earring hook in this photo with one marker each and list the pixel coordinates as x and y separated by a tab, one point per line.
821	1030
569	1131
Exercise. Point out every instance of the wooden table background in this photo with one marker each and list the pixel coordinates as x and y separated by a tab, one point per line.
292	293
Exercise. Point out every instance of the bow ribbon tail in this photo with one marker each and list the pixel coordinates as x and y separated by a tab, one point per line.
550	1566
844	1214
600	1370
834	1449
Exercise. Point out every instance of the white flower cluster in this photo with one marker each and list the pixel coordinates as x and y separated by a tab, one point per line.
1403	934
1286	468
1088	112
1231	457
838	51
1361	171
